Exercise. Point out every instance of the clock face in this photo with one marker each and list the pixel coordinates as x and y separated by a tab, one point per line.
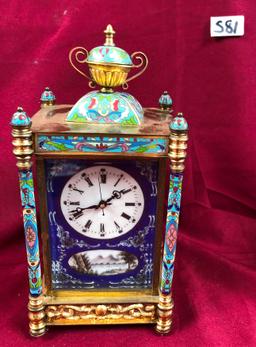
102	202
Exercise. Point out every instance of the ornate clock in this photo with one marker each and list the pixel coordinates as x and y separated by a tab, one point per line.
105	169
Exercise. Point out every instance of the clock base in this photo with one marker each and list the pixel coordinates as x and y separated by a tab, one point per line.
93	314
41	316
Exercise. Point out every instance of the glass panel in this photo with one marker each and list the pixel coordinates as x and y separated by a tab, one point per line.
101	222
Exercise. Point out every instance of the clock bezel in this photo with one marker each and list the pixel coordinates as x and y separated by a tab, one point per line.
77	295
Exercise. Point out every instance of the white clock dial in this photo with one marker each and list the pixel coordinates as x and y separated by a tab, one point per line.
102	202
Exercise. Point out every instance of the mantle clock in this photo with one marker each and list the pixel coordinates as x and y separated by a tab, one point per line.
109	179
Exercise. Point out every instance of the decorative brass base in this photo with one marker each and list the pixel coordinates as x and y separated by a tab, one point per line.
47	103
165	308
100	314
36	316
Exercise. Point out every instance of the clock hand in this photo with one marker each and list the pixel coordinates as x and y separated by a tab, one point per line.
116	195
79	209
102	208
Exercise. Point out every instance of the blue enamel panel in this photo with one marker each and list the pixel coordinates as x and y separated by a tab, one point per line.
60	143
66	243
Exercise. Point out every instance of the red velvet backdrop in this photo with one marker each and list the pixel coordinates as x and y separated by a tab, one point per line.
213	82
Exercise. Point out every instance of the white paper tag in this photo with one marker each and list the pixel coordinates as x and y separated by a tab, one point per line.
227	26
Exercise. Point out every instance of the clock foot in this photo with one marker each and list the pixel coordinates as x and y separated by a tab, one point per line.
164	321
36	315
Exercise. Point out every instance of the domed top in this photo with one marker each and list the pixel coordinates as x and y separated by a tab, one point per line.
108	53
20	118
106	108
179	123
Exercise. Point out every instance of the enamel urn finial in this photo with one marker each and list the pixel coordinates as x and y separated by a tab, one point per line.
165	101
109	67
110	32
47	98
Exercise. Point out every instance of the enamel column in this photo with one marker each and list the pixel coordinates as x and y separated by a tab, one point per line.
177	154
22	143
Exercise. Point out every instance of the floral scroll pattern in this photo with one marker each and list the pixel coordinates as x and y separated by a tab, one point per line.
31	232
172	223
101	144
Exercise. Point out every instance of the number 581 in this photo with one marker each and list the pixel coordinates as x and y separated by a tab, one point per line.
227	26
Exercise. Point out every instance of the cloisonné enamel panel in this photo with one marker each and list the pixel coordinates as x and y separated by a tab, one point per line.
101	217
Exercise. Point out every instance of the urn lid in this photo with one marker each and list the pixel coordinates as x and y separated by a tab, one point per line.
109	53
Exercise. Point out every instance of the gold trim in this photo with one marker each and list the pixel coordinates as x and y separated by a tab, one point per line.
47	103
117	155
48	290
142	59
100	314
164	311
108	75
109	32
54	297
178	150
36	316
80	51
22	143
110	64
44	224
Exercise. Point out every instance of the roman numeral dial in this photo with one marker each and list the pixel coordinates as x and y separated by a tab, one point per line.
102	202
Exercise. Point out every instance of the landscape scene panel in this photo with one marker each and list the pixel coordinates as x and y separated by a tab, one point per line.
103	262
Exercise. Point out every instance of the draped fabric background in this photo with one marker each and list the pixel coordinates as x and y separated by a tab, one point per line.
213	82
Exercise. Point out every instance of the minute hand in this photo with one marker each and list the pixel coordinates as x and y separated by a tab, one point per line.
117	194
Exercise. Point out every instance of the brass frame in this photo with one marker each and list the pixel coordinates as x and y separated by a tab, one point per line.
52	296
65	307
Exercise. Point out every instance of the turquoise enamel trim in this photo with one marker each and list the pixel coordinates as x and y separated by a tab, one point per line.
101	144
109	54
20	118
179	123
31	231
172	223
106	108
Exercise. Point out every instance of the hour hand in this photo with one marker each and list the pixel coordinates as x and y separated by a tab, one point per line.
79	209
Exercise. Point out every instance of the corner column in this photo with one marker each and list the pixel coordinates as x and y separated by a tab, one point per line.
177	154
22	143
